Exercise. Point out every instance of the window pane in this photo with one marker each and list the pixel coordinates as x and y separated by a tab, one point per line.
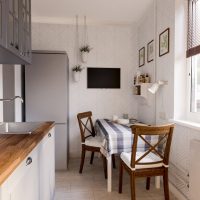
195	84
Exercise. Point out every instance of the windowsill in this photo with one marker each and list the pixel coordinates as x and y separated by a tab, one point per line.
188	124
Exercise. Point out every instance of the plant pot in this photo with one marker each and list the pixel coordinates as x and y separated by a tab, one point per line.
84	56
76	76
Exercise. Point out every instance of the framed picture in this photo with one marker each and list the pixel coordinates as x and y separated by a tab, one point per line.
164	42
141	57
150	51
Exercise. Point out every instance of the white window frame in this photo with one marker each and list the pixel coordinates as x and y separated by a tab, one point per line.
190	116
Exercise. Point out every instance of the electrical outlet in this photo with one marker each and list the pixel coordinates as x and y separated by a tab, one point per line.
162	115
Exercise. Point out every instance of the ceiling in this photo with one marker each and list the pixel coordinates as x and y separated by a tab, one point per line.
97	11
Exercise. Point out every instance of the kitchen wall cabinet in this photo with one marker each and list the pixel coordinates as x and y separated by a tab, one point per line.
16	32
34	178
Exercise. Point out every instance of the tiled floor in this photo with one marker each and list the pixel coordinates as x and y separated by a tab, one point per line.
91	185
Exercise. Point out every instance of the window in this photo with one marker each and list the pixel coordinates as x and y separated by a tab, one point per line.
193	53
195	83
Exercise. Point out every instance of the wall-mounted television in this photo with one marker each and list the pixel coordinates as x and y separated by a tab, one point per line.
103	77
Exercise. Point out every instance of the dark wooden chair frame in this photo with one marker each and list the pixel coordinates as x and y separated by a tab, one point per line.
83	128
165	135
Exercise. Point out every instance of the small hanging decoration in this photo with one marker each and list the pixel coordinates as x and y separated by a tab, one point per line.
77	68
76	72
85	49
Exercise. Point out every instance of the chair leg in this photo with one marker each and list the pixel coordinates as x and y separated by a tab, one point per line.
120	176
166	184
132	185
113	161
82	160
92	157
148	182
105	166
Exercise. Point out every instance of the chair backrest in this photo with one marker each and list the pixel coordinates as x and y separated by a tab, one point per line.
86	125
160	148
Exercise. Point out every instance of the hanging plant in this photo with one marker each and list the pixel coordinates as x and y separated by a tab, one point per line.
77	68
85	49
76	72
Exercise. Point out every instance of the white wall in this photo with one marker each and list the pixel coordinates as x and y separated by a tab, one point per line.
160	107
113	46
146	33
18	92
17	81
165	64
8	92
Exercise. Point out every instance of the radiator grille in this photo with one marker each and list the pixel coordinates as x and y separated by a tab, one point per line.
180	179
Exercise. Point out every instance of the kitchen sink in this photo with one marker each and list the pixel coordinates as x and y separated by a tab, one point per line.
18	127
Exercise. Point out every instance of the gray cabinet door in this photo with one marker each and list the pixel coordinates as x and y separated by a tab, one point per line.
13	26
25	28
2	23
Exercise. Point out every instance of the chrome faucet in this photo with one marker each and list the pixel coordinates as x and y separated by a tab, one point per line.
12	99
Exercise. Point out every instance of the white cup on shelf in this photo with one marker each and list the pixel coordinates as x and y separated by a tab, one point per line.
115	118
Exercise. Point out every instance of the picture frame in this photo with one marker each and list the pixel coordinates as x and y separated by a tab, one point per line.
164	42
150	51
142	57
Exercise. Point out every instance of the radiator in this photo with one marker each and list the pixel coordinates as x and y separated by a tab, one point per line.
179	178
194	169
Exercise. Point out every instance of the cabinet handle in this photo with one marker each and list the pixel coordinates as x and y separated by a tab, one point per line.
28	161
49	135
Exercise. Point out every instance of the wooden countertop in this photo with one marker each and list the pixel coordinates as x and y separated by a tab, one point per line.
15	148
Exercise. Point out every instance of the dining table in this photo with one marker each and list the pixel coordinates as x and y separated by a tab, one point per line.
117	138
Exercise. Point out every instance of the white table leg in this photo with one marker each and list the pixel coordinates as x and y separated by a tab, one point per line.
157	182
109	169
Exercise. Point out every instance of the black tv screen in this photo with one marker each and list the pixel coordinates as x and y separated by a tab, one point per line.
103	77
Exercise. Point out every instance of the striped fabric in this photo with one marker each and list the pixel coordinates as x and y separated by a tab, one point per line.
118	138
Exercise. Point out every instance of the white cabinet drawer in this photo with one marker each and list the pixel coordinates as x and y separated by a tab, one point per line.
23	182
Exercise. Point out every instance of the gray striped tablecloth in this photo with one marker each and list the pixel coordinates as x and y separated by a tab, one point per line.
118	138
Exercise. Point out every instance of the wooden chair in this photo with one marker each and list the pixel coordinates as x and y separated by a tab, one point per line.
89	140
154	161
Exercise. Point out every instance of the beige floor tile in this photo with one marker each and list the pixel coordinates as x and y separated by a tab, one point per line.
75	196
91	184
